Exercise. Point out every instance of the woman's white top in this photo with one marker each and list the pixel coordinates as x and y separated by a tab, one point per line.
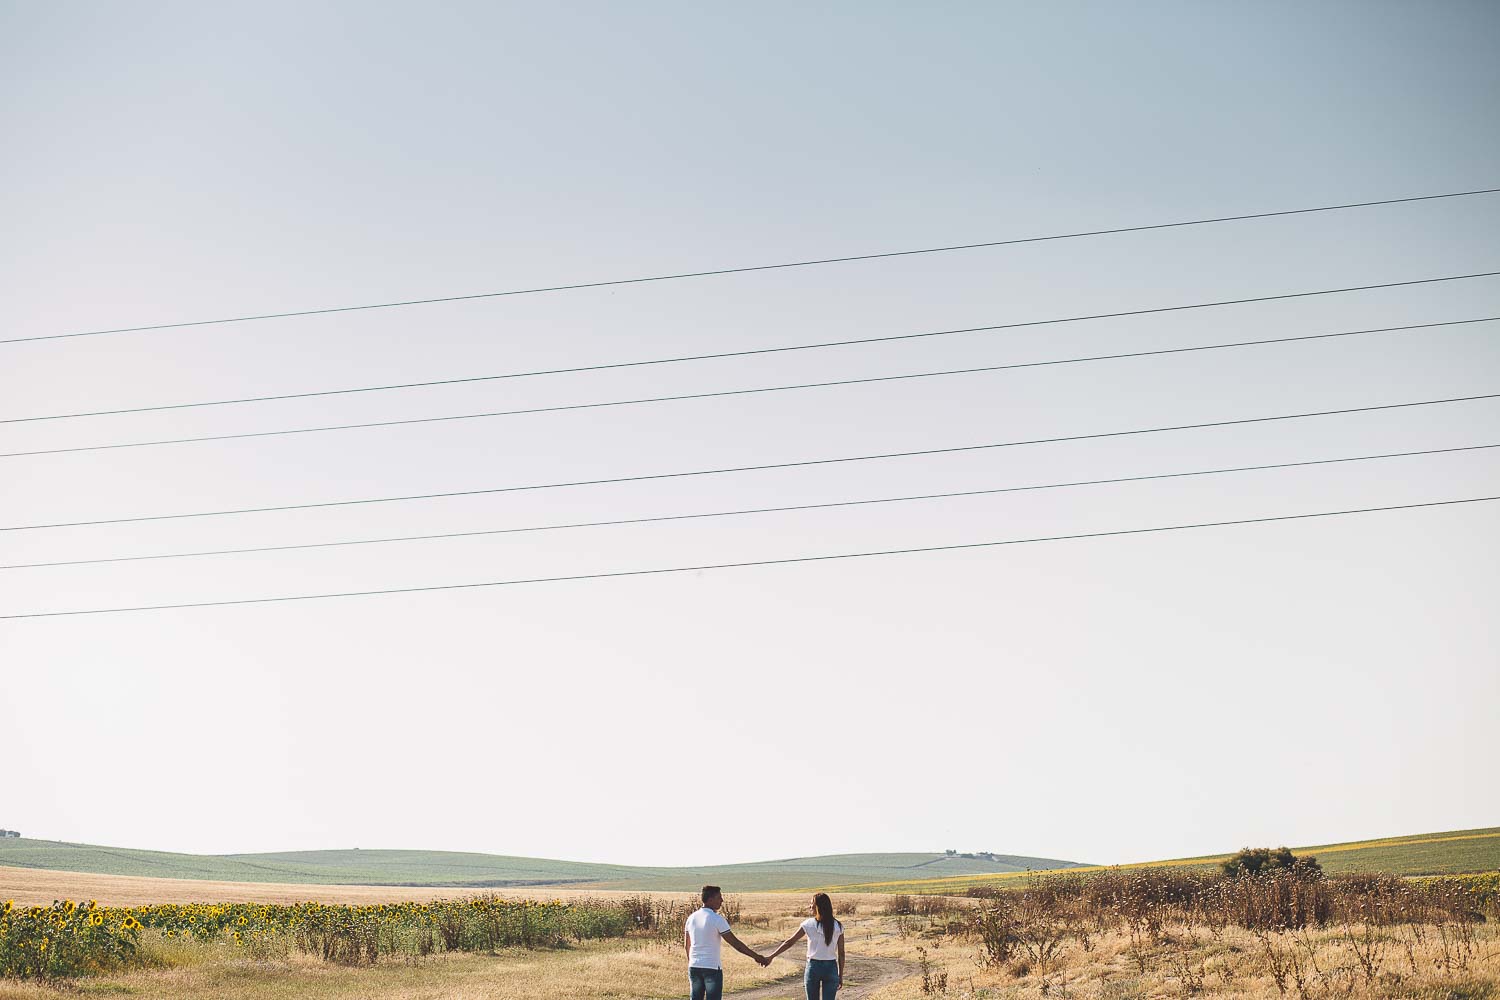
817	948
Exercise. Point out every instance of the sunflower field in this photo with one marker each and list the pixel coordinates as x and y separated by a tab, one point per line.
64	939
70	939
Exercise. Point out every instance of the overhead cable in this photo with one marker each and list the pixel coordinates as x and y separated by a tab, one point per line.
773	389
805	463
746	511
719	394
704	567
793	347
574	286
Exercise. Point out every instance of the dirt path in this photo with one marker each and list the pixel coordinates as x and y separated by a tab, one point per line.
866	974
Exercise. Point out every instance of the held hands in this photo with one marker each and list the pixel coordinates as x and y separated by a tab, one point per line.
763	960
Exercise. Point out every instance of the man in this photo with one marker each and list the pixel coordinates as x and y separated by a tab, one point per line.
700	936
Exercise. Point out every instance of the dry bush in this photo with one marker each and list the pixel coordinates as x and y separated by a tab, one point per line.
899	906
1312	936
941	906
641	910
663	918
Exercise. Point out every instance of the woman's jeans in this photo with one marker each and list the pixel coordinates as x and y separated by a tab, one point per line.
821	979
708	984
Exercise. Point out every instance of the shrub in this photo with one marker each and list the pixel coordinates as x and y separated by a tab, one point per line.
1259	860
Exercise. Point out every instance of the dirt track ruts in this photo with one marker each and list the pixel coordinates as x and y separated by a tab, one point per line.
866	974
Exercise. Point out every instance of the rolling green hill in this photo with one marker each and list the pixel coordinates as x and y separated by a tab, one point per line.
455	869
1453	852
1422	854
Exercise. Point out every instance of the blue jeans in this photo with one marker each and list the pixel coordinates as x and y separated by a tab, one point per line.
821	979
708	984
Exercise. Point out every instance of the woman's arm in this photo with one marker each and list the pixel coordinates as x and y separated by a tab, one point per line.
841	958
788	943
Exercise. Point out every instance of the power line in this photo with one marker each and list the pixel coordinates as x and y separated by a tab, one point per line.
743	512
757	468
701	357
758	267
773	350
710	395
658	571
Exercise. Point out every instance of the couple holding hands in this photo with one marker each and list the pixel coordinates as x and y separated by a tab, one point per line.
707	927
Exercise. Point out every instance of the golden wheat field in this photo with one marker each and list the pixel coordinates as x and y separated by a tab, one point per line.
34	885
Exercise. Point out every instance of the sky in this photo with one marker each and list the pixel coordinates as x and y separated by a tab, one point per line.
1103	700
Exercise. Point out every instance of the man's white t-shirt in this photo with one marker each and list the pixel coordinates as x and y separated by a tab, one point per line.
817	947
705	929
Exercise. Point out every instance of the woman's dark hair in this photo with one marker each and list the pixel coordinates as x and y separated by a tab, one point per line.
823	906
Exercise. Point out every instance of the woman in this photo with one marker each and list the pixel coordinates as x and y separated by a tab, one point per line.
825	950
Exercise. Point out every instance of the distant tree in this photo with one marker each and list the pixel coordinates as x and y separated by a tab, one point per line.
1264	860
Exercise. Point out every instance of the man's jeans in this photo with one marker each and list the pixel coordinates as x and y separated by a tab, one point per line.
821	973
708	984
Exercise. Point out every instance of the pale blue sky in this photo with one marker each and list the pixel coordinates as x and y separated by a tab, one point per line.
1103	700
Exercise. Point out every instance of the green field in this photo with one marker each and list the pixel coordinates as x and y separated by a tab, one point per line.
455	869
1455	852
1449	853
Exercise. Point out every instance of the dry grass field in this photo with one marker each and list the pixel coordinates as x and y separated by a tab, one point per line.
1031	943
1191	963
915	951
595	970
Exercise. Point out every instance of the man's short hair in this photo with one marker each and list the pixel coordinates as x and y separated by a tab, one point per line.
710	891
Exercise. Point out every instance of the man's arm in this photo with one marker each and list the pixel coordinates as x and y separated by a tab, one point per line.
745	949
687	941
